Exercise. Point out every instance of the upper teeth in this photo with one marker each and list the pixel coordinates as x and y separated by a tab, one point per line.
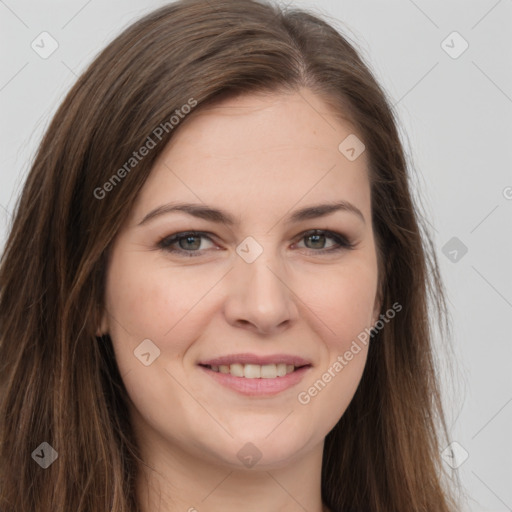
255	371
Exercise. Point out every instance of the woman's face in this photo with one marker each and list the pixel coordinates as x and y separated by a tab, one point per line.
257	285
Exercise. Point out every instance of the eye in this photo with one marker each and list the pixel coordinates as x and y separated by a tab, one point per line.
318	238
189	243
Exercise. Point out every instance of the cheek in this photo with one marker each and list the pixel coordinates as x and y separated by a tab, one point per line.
342	300
146	301
147	296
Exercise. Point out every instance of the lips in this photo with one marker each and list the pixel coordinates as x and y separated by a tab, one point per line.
262	387
244	359
251	374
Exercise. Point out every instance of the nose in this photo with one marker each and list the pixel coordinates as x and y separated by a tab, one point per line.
259	297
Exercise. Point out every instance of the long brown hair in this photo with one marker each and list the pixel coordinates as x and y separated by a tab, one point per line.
60	383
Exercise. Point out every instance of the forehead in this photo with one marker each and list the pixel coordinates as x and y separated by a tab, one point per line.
277	148
264	121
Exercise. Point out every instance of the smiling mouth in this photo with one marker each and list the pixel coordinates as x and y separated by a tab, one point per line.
255	371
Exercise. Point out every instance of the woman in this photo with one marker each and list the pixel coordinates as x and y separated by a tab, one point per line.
217	219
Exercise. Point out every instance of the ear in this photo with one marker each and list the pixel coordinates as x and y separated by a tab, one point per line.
376	308
103	327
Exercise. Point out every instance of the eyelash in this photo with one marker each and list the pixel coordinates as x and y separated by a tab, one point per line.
342	243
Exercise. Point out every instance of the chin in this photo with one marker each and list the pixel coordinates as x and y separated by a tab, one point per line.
269	450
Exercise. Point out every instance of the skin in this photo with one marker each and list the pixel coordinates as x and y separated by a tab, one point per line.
260	157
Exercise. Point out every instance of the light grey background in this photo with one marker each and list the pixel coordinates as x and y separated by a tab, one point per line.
456	121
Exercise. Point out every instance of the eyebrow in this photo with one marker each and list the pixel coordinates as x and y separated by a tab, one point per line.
223	217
